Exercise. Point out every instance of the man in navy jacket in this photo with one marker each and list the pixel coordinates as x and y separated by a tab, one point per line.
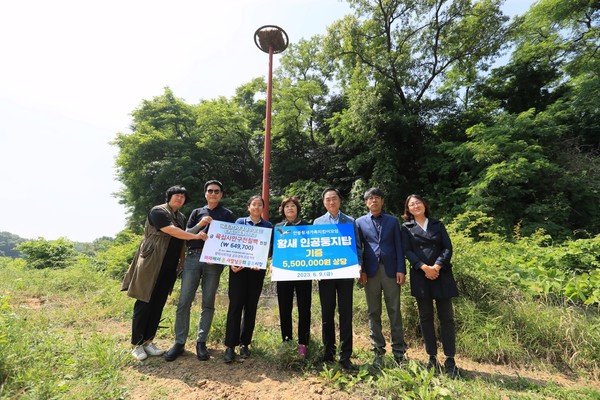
344	288
383	271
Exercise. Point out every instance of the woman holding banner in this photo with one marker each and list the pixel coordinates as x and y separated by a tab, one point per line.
245	286
290	211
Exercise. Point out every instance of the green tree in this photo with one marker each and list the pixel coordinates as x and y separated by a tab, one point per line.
509	175
42	253
393	58
175	143
299	96
157	154
8	242
524	149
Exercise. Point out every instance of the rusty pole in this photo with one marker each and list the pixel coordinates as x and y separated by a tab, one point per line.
270	39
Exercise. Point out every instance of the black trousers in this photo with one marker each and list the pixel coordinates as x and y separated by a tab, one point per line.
285	299
445	314
146	316
341	290
245	287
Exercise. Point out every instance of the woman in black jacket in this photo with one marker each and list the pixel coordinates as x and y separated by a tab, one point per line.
428	248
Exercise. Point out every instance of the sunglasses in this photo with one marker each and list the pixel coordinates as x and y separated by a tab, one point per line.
211	191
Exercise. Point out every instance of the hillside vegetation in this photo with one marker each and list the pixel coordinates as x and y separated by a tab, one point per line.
528	324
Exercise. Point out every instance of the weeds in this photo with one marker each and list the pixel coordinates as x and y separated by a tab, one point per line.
56	339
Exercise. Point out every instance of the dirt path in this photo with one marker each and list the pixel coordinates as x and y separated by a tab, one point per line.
188	378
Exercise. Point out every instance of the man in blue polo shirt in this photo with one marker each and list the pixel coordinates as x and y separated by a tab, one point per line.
195	271
383	271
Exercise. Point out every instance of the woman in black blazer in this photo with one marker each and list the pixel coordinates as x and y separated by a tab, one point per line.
428	248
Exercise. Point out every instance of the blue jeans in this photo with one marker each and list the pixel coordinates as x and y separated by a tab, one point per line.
193	272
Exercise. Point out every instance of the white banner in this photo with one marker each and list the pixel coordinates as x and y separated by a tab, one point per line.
237	244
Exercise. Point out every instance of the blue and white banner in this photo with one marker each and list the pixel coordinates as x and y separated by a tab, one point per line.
237	244
314	252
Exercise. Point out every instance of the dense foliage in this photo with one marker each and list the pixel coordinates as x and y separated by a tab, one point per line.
407	96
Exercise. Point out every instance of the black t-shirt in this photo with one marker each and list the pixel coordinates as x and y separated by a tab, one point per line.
219	213
159	219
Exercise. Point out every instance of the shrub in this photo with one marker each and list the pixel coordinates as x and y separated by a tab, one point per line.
42	253
115	259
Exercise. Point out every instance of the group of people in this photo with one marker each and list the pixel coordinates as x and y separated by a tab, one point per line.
382	246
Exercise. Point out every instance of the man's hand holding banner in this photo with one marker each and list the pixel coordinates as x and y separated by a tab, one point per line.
237	244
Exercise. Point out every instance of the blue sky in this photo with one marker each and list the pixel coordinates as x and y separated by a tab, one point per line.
72	71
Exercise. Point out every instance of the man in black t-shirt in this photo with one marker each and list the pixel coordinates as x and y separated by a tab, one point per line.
196	272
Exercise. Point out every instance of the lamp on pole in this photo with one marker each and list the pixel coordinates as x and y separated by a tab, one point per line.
272	40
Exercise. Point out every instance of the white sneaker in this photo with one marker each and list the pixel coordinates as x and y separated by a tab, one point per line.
152	350
139	353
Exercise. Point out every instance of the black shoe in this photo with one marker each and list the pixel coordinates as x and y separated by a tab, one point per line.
244	352
451	369
453	372
347	365
327	359
202	351
174	352
378	361
400	359
229	355
433	363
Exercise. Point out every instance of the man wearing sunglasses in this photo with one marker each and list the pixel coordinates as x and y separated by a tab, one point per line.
195	271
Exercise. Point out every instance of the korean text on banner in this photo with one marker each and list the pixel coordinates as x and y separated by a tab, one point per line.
237	244
314	252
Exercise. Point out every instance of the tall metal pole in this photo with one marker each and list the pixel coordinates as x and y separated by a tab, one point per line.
273	40
267	154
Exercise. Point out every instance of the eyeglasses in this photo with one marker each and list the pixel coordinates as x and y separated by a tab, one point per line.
211	191
415	203
374	198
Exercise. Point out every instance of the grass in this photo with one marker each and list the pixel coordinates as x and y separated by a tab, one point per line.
62	336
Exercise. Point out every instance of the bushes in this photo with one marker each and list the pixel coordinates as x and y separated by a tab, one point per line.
115	259
557	274
42	253
520	300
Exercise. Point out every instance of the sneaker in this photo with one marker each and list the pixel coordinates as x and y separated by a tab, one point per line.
302	349
453	372
152	350
139	353
244	352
